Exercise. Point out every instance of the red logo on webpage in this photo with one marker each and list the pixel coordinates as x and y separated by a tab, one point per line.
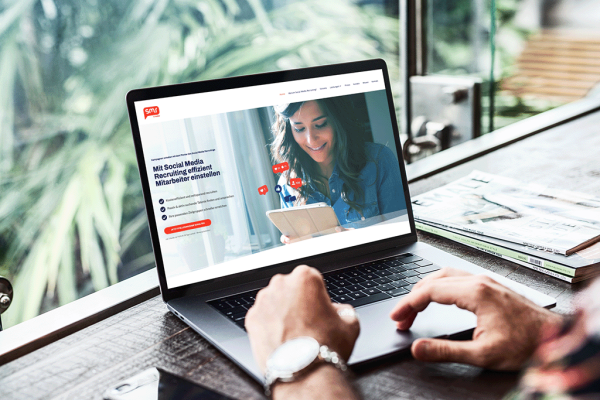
151	111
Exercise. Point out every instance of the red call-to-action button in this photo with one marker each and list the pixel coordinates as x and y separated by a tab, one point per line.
187	227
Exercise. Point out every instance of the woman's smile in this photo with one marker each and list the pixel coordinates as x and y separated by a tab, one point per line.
318	148
314	134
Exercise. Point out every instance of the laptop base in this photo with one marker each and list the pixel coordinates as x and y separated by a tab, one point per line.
378	336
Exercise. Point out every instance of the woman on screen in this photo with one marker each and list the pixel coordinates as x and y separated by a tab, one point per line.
326	148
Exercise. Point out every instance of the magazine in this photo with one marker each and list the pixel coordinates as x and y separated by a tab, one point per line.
579	266
529	214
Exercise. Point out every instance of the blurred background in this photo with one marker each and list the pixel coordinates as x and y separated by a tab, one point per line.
72	217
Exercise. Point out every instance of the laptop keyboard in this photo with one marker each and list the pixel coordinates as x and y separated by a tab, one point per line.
358	285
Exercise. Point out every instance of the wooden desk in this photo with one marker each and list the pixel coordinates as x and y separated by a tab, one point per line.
84	364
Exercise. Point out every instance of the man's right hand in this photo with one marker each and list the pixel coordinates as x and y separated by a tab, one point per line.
508	325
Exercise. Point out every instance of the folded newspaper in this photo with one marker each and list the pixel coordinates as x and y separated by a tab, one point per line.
552	220
581	265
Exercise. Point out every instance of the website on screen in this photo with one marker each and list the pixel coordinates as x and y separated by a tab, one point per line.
250	177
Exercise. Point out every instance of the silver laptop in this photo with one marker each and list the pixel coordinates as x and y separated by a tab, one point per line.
215	157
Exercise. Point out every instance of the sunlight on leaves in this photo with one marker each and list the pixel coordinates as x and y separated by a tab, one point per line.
72	217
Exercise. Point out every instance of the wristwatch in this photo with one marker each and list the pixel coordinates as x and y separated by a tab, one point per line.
296	356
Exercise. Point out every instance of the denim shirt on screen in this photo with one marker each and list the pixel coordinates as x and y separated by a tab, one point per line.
380	181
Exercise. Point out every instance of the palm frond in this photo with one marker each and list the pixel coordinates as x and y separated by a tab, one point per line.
71	206
8	68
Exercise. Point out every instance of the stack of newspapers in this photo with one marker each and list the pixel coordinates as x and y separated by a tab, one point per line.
551	231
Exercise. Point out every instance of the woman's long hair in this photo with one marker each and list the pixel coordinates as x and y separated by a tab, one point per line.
348	150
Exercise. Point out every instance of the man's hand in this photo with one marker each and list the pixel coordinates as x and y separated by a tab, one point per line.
508	325
298	305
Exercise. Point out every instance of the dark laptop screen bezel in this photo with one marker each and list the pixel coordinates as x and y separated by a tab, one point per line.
257	80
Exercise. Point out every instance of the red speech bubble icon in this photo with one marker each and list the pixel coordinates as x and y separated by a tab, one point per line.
263	190
295	183
279	168
149	111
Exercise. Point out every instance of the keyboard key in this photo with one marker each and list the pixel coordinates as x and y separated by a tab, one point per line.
249	299
381	281
410	273
386	287
397	292
341	283
395	277
355	288
370	276
410	259
342	299
371	291
410	266
238	302
366	269
369	284
339	276
352	274
400	283
370	299
236	306
413	279
429	268
339	291
356	271
238	316
355	279
385	273
235	310
423	263
380	267
223	305
396	269
358	295
409	287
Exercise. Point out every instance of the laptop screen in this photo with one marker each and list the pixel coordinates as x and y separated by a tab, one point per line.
225	167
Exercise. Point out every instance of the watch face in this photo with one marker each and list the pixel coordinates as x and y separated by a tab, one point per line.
293	356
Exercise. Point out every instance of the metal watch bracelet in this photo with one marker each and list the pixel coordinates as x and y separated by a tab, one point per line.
325	355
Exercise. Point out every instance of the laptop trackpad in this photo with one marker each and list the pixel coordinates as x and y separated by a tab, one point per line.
379	336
